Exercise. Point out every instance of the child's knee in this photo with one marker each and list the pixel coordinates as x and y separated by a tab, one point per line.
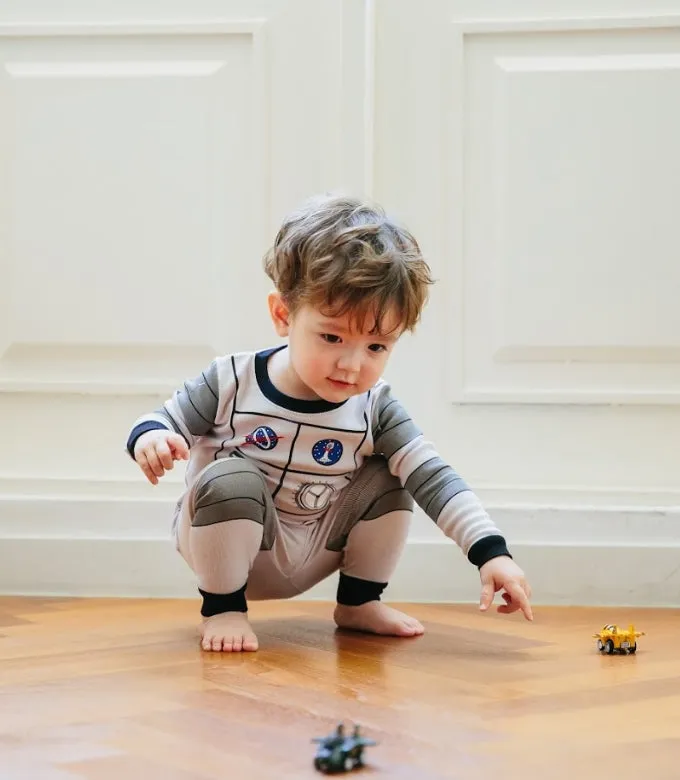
373	493
380	492
229	489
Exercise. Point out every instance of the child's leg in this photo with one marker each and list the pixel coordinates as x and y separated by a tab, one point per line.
376	514
363	536
226	521
374	546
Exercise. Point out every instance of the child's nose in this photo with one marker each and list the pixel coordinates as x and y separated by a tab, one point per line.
350	360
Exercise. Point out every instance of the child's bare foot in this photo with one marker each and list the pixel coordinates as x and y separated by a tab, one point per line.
377	618
228	632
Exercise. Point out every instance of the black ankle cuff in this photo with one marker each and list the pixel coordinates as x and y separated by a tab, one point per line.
352	591
216	603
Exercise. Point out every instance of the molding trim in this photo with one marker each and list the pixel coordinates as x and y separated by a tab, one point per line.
601	556
565	23
23	487
178	27
429	572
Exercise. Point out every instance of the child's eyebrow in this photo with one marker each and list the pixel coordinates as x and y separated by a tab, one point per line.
334	326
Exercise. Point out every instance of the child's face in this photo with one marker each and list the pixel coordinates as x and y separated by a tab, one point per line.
329	357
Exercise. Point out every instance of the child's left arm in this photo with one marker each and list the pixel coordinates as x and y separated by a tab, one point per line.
502	573
448	501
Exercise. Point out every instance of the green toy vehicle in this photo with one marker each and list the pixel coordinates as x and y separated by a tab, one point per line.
339	753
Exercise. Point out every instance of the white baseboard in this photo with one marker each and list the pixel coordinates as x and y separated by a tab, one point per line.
593	556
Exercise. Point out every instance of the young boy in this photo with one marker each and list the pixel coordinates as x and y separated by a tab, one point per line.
301	460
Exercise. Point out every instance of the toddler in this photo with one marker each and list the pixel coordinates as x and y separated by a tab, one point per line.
302	461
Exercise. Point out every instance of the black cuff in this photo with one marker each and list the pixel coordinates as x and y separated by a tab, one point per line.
138	430
217	603
487	548
352	591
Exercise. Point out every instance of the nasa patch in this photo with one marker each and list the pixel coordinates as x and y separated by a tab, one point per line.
327	451
263	437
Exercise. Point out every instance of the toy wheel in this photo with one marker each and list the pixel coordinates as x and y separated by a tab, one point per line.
632	648
349	764
609	647
600	645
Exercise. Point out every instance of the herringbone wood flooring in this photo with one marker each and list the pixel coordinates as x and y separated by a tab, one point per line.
119	690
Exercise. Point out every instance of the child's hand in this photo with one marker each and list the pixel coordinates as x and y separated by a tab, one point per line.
156	450
503	572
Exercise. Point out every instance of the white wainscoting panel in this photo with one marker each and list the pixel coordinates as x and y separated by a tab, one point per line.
569	156
138	176
147	155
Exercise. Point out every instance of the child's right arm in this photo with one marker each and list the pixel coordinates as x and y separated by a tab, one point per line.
155	452
167	434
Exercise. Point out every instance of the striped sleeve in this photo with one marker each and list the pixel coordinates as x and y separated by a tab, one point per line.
434	485
191	411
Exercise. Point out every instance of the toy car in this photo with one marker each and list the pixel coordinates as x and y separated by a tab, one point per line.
613	639
339	753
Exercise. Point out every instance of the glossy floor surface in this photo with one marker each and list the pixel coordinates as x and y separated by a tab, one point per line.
98	689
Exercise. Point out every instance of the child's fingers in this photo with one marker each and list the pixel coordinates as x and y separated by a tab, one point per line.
154	463
178	447
487	594
519	598
508	609
164	454
510	606
144	466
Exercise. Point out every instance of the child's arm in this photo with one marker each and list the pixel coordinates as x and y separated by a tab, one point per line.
190	412
447	499
436	487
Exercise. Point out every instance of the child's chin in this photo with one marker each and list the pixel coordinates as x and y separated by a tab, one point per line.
341	396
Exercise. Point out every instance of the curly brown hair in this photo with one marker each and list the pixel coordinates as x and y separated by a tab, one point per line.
344	254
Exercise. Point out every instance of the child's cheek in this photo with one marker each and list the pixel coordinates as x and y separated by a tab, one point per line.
316	365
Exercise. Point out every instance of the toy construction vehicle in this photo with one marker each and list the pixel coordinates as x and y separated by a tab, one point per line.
340	753
613	639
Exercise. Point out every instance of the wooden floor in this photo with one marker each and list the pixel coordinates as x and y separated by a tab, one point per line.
119	690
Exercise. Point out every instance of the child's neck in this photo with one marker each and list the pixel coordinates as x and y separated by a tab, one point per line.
282	375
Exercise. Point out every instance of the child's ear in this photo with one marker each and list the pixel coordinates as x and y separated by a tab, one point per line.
279	312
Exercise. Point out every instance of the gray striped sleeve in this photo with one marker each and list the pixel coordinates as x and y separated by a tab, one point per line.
435	486
392	426
197	402
190	412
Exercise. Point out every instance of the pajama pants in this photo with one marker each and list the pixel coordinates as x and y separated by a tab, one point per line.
229	532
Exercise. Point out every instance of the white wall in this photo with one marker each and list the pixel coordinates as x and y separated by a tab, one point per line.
147	153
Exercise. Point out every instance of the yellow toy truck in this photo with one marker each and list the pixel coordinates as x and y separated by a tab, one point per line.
613	639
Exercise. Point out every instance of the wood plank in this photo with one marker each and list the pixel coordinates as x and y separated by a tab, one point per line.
96	689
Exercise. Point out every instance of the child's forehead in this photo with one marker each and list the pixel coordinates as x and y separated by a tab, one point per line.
359	322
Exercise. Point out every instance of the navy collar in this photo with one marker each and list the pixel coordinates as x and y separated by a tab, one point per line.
281	399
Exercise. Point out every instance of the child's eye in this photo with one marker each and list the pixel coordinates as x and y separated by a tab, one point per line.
330	338
377	347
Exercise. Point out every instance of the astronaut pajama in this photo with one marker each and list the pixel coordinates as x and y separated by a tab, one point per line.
230	532
282	492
